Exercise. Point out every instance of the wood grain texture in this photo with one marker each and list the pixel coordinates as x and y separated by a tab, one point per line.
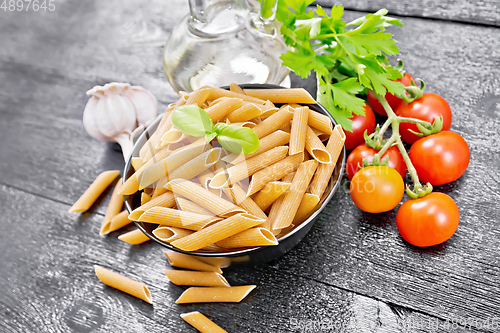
476	11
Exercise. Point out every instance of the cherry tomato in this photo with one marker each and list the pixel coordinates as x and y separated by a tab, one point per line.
440	158
359	125
429	107
396	160
377	189
391	99
429	220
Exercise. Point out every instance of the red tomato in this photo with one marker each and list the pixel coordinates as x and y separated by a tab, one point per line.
359	125
429	107
429	220
391	99
440	158
396	160
377	189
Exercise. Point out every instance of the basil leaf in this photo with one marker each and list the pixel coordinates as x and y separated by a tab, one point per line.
237	139
192	120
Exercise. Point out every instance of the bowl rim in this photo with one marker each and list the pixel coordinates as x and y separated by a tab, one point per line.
246	251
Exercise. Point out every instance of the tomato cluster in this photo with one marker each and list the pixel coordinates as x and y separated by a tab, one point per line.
437	159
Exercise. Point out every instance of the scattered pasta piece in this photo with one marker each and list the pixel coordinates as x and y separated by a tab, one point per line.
181	260
193	278
114	207
215	294
94	191
201	323
134	237
123	283
117	222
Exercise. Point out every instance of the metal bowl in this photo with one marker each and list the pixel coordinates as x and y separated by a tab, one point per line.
253	255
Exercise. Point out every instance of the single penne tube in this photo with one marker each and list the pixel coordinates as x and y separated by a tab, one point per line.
244	113
94	191
248	167
114	207
123	283
324	173
274	172
221	262
273	140
308	203
235	88
170	163
134	237
198	97
216	93
299	130
238	197
320	122
322	136
145	198
169	234
177	218
316	148
206	175
117	222
181	260
197	165
189	206
281	96
165	200
292	198
276	206
272	191
173	135
136	162
222	109
214	294
199	279
217	231
204	198
268	109
201	323
274	122
251	237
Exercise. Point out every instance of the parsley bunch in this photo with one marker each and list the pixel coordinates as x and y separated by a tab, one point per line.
348	58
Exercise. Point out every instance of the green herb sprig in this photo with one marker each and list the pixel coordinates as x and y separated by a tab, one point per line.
193	120
348	58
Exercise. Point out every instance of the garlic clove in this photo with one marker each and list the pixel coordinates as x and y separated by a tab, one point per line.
89	120
146	105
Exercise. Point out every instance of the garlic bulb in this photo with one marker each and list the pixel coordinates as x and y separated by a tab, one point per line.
116	110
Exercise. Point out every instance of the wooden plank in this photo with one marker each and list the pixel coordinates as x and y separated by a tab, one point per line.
47	258
476	11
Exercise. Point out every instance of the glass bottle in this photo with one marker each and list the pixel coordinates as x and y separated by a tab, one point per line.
225	41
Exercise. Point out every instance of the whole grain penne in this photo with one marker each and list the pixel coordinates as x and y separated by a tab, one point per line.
324	173
198	97
293	197
189	206
217	232
197	165
177	218
320	122
117	222
274	122
299	130
281	96
123	283
274	172
238	196
316	148
134	237
199	279
181	260
322	136
268	109
222	109
165	200
248	238
94	191
308	203
204	198
276	206
244	113
247	168
114	207
148	149
201	323
272	191
218	93
215	294
169	234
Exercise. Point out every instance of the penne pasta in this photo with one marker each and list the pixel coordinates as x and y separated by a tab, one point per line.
136	162
238	196
94	191
181	260
148	149
316	148
223	108
265	197
204	198
307	205
201	323
274	122
177	218
282	96
322	136
123	283
173	135
114	207
198	97
158	191
218	231
276	206
274	172
320	122
216	93
199	279
268	109
221	262
247	168
145	198
244	113
117	222
214	294
298	131
324	173
248	238
236	88
197	165
165	200
189	206
293	197
169	234
134	237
